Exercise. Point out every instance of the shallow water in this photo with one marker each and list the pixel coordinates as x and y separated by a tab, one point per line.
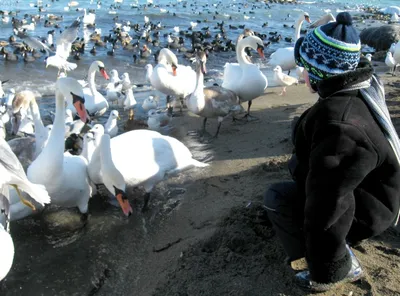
251	14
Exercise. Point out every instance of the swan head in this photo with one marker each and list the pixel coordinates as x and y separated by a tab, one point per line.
6	252
98	66
113	179
167	56
304	16
72	90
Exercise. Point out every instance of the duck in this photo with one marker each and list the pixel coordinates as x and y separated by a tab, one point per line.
284	56
245	78
211	102
132	123
64	175
283	79
96	104
170	78
152	159
111	126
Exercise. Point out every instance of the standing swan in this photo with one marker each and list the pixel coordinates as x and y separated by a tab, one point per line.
63	175
245	78
284	57
213	101
95	102
170	78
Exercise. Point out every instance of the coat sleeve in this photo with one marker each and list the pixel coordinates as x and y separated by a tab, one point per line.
341	156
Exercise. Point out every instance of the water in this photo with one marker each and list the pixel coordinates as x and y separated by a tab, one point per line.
36	77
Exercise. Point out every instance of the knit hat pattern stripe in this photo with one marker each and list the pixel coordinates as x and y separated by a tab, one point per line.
337	43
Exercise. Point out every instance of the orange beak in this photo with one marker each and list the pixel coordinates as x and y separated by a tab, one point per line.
174	70
104	73
80	108
125	206
308	19
261	52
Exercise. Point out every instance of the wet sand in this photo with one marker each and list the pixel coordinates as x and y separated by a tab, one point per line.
205	233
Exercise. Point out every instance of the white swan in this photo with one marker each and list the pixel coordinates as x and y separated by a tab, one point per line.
170	78
111	126
284	57
283	79
6	252
88	18
112	178
145	158
211	102
245	78
95	102
64	175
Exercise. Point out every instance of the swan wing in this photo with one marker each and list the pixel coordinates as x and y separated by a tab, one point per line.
232	74
283	57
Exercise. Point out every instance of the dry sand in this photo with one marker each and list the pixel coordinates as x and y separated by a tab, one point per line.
205	233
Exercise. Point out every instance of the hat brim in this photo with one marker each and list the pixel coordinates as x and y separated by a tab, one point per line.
299	42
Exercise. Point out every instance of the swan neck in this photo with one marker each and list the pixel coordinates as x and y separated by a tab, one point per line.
37	119
92	83
299	22
240	52
53	153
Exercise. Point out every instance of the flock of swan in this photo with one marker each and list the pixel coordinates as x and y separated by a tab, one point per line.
37	170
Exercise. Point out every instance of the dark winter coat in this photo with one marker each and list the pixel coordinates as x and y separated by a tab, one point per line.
347	174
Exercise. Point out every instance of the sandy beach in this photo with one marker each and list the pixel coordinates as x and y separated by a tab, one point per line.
205	232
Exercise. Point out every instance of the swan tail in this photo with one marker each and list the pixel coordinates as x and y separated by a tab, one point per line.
37	191
199	164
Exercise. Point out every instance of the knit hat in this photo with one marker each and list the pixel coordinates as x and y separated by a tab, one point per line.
329	50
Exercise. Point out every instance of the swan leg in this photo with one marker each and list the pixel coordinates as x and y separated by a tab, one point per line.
146	202
247	116
181	100
23	200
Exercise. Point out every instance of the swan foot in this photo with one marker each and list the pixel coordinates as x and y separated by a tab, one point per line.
23	200
246	118
146	202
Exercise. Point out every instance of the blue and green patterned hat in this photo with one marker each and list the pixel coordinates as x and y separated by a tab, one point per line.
330	49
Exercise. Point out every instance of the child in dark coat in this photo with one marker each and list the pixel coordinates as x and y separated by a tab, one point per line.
345	167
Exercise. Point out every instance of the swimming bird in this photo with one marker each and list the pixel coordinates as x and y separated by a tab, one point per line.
283	79
211	102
